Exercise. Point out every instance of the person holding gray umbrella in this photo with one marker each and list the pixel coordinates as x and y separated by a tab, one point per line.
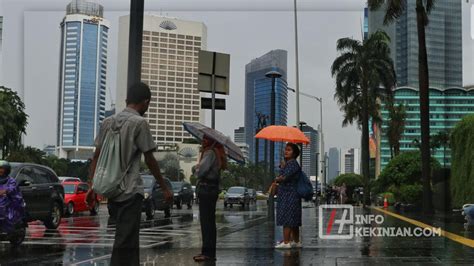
215	148
213	160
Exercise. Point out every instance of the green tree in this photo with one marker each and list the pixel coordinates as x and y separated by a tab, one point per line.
404	169
60	166
462	162
396	126
26	155
13	121
395	8
351	181
364	75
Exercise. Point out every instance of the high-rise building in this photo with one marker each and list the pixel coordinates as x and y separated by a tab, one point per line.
239	135
170	68
350	161
258	99
310	151
443	41
1	31
1	52
447	107
82	78
333	164
365	25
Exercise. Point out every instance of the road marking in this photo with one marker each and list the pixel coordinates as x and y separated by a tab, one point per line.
454	237
92	260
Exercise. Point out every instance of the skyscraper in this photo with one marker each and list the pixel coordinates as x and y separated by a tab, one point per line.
310	151
258	98
333	164
443	42
82	78
350	161
170	68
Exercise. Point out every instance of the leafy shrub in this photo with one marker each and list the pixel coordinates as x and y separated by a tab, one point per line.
411	193
462	166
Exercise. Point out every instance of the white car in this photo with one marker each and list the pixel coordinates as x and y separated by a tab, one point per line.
69	179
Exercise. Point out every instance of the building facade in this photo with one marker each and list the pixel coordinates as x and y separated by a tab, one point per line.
333	164
170	68
239	135
350	161
258	99
443	40
82	78
310	152
447	107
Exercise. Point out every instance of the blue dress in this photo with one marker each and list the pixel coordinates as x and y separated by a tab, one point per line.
288	200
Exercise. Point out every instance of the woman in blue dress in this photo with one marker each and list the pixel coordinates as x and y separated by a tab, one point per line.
289	202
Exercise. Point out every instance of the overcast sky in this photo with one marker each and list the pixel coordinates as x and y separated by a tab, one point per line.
244	29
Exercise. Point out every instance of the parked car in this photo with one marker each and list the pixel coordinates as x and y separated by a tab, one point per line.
182	194
253	195
42	192
69	179
237	195
154	198
75	198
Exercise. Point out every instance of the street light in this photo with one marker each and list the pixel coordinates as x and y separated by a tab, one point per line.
321	136
273	75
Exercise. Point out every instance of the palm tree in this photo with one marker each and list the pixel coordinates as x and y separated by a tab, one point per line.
396	125
395	9
364	74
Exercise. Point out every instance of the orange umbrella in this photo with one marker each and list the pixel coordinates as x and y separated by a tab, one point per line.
283	133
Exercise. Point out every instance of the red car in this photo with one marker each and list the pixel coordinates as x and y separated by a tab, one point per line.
75	198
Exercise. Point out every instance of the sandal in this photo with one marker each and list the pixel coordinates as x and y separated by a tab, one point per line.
202	258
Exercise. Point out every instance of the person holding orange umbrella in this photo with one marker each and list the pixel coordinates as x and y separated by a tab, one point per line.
289	201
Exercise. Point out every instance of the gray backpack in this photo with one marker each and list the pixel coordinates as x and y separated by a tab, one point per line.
108	177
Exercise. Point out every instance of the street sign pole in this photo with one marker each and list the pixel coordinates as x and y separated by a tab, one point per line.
213	88
135	43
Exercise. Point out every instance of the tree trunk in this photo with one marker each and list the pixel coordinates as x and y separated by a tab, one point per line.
424	108
365	146
397	148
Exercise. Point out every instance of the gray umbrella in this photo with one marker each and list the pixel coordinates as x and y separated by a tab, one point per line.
199	130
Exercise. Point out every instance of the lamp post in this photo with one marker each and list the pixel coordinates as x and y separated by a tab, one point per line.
321	136
273	75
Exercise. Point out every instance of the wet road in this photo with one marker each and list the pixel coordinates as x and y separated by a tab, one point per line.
88	240
245	237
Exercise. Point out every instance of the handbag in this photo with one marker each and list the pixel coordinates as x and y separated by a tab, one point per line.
273	189
304	188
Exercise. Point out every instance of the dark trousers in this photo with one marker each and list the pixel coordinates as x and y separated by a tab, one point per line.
126	215
207	215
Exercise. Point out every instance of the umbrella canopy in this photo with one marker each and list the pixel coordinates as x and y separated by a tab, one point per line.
283	133
199	130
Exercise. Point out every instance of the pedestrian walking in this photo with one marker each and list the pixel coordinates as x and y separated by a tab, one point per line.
288	201
213	160
134	140
343	193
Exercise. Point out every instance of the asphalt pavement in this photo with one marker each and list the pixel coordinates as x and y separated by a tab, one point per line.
245	237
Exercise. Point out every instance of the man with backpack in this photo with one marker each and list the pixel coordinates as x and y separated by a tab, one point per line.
115	171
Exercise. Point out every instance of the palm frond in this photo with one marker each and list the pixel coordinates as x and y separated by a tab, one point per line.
429	4
348	44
